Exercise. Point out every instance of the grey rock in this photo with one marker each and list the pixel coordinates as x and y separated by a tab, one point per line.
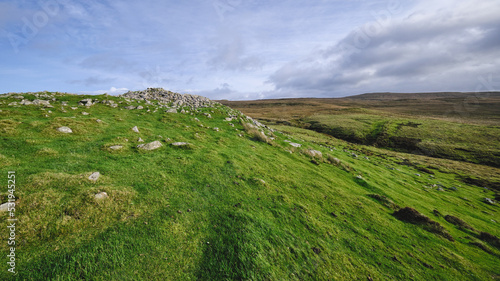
489	201
130	107
41	102
315	153
65	130
171	110
418	175
101	195
295	144
5	206
140	107
140	140
94	176
26	102
86	102
180	143
135	129
116	147
150	146
85	113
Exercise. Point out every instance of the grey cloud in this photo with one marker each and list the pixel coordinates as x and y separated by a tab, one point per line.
425	48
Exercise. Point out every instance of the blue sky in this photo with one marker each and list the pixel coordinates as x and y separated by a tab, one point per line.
250	49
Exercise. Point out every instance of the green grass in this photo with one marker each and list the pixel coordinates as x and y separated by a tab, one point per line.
476	143
231	207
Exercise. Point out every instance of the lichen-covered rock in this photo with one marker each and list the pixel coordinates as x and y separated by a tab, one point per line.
150	146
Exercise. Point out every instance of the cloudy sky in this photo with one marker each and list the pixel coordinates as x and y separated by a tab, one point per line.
250	49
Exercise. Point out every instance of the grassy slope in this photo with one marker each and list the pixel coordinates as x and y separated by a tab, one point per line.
449	125
238	226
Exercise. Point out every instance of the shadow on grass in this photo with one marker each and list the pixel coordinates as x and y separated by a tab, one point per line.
233	251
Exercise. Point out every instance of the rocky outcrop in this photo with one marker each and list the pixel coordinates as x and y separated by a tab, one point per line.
168	98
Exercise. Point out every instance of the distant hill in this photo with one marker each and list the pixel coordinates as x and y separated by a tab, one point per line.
435	95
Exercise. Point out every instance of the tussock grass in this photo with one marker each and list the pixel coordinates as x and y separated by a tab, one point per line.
255	134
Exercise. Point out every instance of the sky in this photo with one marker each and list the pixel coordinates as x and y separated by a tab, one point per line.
250	49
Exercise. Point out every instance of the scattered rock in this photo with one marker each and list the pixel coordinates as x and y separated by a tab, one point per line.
418	175
26	102
65	130
140	107
295	144
171	110
150	146
74	108
489	201
86	102
85	113
116	147
94	176
98	121
140	140
101	195
130	107
41	102
5	206
135	129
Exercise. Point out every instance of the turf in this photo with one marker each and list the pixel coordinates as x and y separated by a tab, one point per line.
234	206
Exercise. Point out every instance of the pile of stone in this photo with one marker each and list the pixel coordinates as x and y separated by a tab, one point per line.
170	98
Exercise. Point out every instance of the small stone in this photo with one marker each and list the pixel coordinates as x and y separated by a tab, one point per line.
489	201
179	211
101	195
140	107
5	206
440	189
135	129
150	146
74	108
94	176
418	175
295	144
171	110
98	121
65	130
180	143
140	140
85	113
116	147
189	210
359	177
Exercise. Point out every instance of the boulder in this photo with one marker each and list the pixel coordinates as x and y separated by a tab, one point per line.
5	206
150	146
101	195
65	130
94	176
86	102
116	147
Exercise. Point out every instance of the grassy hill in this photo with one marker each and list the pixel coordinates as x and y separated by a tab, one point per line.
458	126
239	201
